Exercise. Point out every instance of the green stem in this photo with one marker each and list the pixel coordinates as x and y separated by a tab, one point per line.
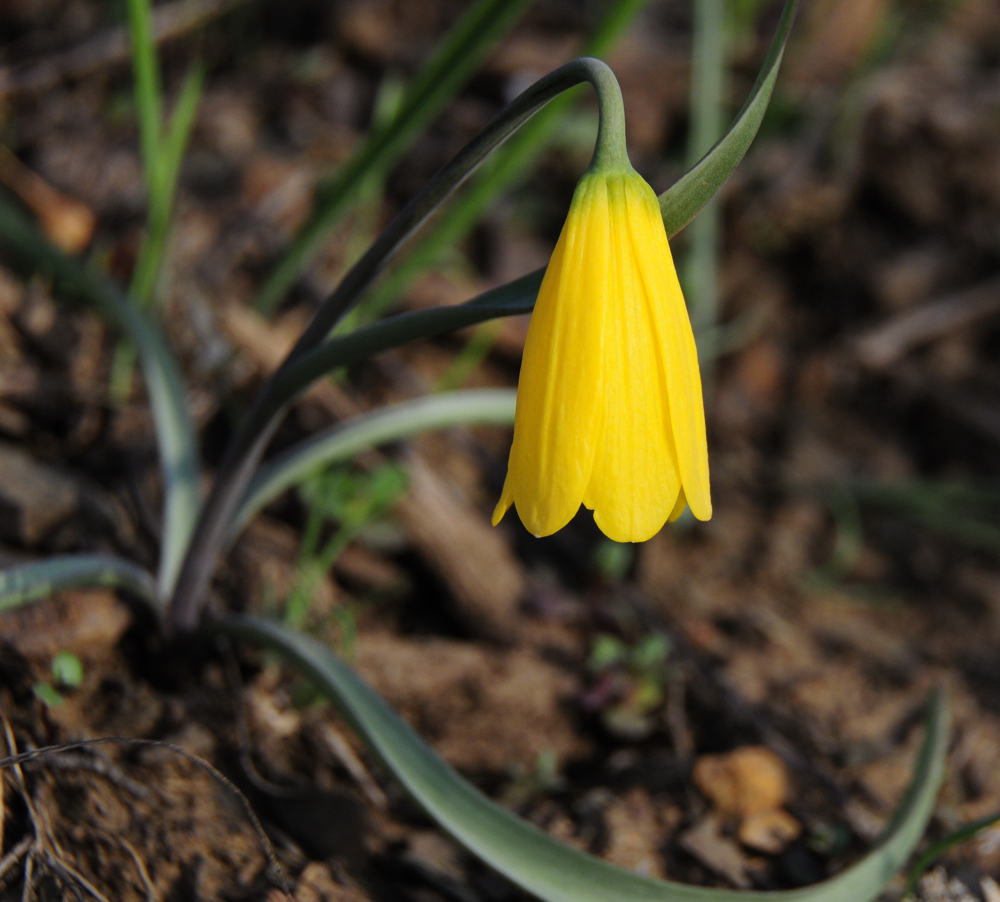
506	166
609	149
270	405
708	77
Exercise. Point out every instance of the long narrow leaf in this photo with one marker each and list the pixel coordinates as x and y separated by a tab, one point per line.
389	424
543	865
679	204
514	298
451	66
148	97
175	435
177	132
31	582
961	835
507	165
162	184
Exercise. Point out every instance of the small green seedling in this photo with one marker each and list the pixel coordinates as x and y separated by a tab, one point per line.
67	673
350	502
629	682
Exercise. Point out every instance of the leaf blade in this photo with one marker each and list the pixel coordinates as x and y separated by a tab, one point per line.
682	201
25	583
175	435
536	861
388	424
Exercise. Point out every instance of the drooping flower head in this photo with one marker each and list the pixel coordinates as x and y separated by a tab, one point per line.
609	401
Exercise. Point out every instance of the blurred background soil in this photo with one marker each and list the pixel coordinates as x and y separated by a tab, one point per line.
734	703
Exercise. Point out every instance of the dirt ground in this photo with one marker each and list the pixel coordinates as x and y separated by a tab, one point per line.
734	703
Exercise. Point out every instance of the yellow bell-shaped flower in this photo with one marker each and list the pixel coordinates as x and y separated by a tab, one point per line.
609	402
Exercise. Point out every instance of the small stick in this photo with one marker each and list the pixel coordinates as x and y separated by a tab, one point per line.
885	344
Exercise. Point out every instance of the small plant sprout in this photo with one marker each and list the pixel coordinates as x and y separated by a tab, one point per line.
629	682
67	673
353	502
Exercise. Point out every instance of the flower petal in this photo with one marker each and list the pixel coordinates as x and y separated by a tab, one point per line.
635	481
556	428
673	329
679	506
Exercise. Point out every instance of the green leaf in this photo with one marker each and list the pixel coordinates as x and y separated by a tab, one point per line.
451	66
175	434
679	204
148	96
389	424
543	865
67	670
48	695
162	185
508	300
162	182
177	132
40	579
508	163
962	834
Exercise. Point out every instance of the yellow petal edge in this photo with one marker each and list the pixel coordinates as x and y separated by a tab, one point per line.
609	401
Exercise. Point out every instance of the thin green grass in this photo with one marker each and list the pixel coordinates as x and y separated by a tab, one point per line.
163	143
454	62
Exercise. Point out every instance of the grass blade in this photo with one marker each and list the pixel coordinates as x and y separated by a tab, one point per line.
536	861
148	96
163	183
175	434
451	66
962	834
389	424
178	131
31	582
709	65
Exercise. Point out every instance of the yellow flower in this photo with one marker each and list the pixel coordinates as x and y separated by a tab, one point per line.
609	404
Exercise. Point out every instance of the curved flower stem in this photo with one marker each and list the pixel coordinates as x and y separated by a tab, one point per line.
248	446
609	148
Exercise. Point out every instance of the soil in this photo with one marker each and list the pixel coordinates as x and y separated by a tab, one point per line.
734	703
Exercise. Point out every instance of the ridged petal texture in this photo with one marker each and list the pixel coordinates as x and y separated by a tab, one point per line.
609	402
